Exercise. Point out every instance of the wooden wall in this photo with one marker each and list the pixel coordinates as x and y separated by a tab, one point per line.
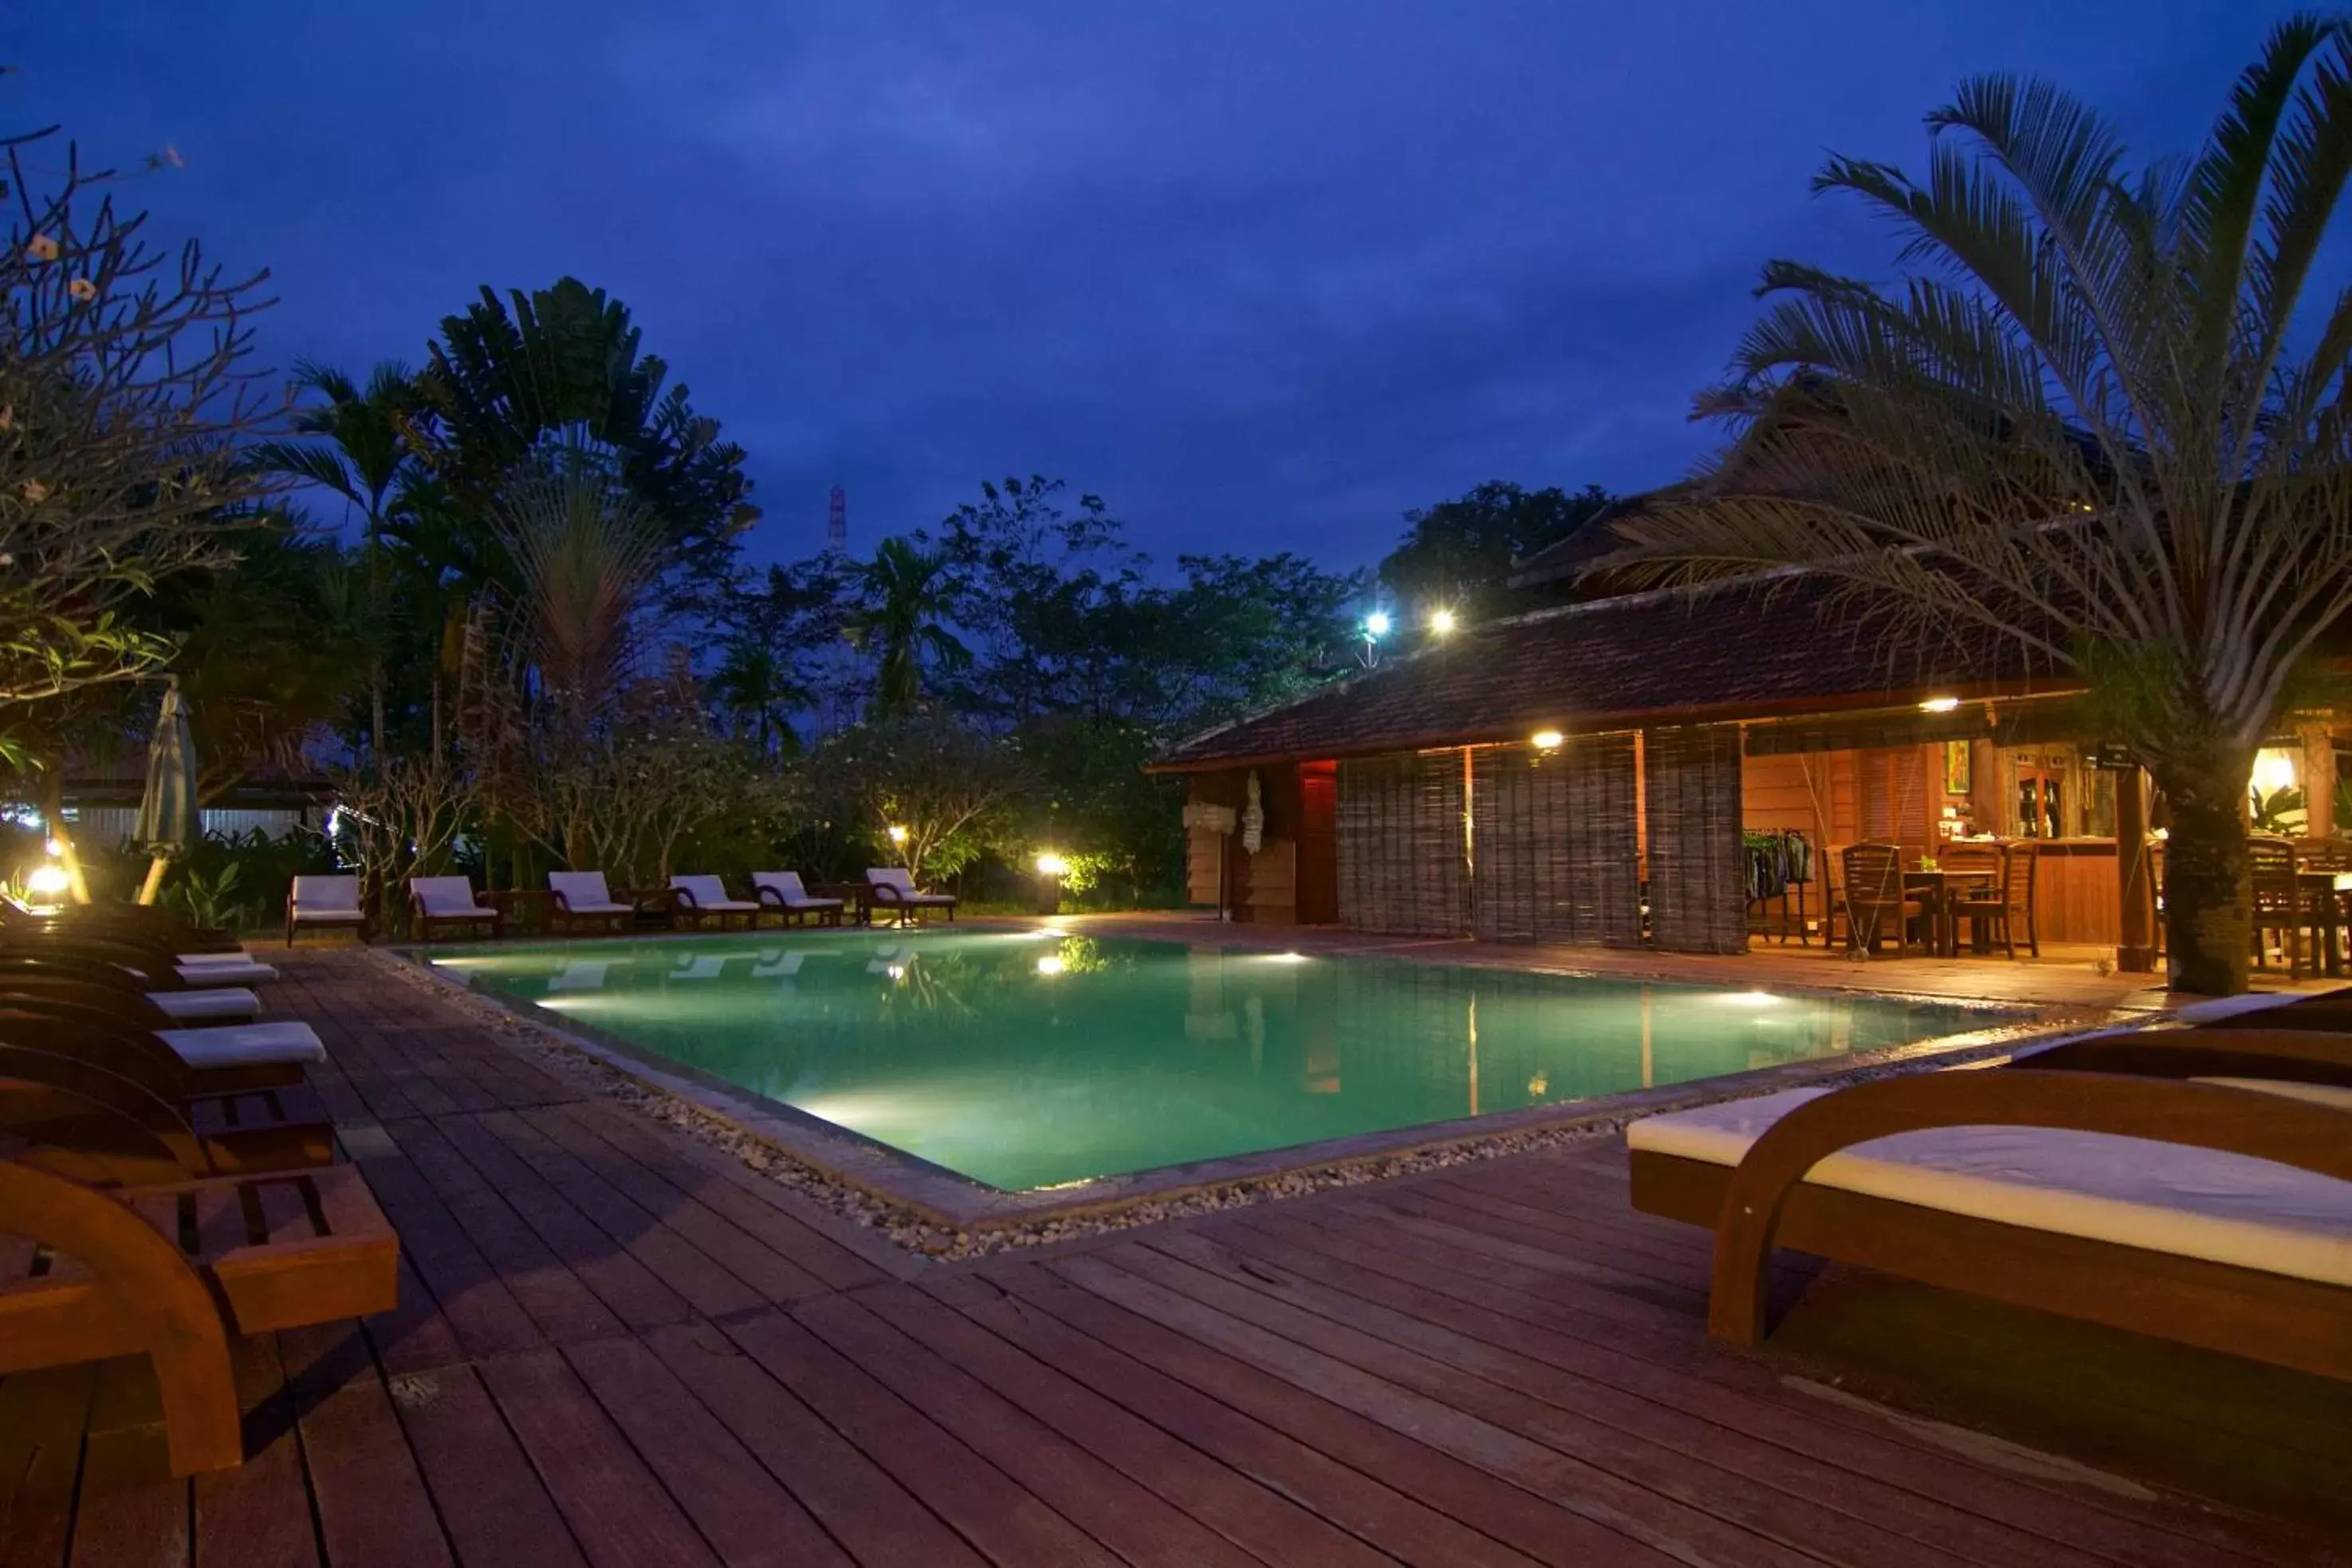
1698	900
1401	867
1554	857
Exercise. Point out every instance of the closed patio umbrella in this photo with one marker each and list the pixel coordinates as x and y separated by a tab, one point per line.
167	811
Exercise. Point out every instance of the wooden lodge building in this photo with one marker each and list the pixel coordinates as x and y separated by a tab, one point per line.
1603	772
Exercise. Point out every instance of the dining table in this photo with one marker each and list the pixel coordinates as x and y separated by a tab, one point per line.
1939	888
2326	894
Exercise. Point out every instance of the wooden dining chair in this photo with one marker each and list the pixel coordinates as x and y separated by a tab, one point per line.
1873	899
2278	901
1997	907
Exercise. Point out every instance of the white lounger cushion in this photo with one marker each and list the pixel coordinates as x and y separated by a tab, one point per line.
585	892
243	974
787	887
326	898
227	1002
709	894
896	881
245	1044
198	960
2160	1198
448	897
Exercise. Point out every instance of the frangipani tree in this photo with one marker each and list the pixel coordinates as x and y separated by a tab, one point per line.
2090	418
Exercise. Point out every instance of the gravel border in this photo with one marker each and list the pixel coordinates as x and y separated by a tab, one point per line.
923	1236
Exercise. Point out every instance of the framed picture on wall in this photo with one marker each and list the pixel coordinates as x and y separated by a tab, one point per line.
1958	779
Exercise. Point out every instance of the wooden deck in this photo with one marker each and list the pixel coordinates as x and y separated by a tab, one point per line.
617	1347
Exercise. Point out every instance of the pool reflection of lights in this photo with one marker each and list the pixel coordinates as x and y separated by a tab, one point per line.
1051	964
1286	957
897	971
1749	999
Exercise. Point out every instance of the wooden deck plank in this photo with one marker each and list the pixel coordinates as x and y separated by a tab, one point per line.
43	1415
878	1521
1365	1475
628	1289
1473	1344
472	1297
617	1509
1683	1368
723	1184
491	1501
258	1515
748	1515
1349	1474
1105	1501
558	1302
372	1504
1679	1527
752	1261
701	1280
979	1500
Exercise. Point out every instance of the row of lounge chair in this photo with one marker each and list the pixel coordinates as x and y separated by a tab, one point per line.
167	1179
2193	1184
581	900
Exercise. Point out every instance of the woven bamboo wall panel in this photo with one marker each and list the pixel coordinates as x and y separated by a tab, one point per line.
1698	900
1400	833
1554	854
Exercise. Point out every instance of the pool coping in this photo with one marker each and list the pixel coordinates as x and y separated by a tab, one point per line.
949	1200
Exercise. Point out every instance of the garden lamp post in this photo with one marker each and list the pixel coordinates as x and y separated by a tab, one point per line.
1051	869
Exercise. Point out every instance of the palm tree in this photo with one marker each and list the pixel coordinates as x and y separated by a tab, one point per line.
907	604
364	455
2090	419
758	691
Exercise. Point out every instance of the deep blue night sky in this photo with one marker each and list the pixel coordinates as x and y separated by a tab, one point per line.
1263	273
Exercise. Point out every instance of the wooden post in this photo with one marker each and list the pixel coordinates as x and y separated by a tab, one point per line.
2318	779
2135	950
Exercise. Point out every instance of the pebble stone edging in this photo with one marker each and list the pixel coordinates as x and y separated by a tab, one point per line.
920	1236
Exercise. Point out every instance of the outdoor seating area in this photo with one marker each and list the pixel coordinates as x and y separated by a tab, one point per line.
2193	1184
585	904
604	1325
167	1186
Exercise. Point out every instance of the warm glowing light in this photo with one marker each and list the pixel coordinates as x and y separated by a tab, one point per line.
2273	770
48	880
1441	621
55	848
896	971
1750	999
1051	964
1377	623
1050	864
1548	739
897	834
1939	705
1286	957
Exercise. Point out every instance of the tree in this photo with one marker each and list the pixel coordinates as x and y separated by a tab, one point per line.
124	386
950	787
904	622
566	362
250	705
1457	555
363	454
2090	419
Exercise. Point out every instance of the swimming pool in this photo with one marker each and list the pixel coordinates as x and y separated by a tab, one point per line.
1033	1059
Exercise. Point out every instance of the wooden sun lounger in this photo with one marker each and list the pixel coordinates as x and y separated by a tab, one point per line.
127	1047
1767	1199
171	1272
207	1133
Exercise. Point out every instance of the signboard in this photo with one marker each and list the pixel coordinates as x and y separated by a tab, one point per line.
2110	755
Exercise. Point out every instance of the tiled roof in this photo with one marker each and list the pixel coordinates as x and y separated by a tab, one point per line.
1751	648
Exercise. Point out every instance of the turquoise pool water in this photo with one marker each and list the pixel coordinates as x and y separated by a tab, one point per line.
1026	1059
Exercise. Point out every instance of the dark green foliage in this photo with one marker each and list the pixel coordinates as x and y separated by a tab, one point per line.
1457	555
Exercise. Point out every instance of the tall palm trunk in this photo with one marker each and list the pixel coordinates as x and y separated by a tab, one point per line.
2208	913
